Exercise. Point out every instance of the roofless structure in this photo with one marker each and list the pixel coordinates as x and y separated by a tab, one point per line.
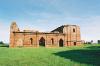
65	35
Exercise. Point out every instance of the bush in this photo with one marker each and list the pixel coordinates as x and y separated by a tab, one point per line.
1	42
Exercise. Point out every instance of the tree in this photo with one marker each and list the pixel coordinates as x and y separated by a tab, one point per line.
98	41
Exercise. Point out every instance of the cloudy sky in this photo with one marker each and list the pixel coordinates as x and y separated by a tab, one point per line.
45	15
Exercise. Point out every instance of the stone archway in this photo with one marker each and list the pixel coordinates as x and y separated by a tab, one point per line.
61	43
42	42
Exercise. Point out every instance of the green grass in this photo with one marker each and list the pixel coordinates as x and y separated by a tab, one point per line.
87	55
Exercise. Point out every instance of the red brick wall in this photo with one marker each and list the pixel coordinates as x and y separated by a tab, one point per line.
31	39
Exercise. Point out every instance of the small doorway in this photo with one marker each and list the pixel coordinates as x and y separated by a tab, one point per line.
52	41
42	41
74	43
60	43
31	41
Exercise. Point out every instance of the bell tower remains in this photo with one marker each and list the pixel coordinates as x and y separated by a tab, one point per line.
13	28
72	34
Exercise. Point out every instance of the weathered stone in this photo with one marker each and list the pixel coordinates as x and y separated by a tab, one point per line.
65	35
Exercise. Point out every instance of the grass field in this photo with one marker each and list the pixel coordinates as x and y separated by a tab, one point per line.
87	55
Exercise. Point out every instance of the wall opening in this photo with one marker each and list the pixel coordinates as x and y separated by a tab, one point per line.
73	30
60	43
52	41
42	42
74	43
31	41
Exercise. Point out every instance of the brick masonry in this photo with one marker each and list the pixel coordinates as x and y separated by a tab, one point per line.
65	35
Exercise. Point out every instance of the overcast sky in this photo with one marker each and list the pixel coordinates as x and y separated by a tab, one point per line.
45	15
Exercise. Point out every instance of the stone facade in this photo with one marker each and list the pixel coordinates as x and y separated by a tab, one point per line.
65	35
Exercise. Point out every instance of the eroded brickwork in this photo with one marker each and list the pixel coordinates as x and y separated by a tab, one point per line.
66	35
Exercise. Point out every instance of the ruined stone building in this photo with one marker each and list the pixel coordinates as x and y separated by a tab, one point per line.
63	36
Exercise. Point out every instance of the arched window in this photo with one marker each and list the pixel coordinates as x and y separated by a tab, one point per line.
52	41
31	41
73	30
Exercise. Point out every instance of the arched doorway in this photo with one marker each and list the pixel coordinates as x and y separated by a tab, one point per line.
42	41
31	41
60	43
